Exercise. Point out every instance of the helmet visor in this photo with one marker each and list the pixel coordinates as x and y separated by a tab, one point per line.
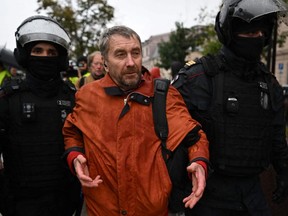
248	10
42	30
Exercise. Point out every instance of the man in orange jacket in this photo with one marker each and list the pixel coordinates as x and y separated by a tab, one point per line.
110	139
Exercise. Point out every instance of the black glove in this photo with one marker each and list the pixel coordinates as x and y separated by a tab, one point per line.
281	192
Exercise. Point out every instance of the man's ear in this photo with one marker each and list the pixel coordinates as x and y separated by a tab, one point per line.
105	67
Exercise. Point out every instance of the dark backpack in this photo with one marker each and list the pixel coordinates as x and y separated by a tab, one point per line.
178	160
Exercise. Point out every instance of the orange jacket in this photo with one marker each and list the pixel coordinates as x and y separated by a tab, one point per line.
125	151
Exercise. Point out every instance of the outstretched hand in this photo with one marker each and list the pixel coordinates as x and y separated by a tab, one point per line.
198	184
82	172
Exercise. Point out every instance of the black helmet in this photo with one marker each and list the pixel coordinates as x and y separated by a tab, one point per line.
39	28
247	11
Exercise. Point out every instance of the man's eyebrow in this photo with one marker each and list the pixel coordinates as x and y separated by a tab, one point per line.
124	50
119	50
136	48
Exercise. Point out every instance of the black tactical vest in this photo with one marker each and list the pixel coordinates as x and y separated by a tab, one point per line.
241	114
235	112
33	155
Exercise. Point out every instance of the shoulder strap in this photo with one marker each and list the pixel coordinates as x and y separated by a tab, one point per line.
212	64
214	67
82	81
161	87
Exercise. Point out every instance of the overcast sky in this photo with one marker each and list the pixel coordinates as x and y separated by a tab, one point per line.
146	17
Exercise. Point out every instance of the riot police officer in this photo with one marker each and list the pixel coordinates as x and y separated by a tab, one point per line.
240	106
32	113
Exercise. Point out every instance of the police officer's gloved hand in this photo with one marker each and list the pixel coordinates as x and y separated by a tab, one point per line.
281	192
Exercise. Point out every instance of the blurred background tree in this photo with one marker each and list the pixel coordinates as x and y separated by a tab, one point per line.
177	48
84	20
199	38
208	40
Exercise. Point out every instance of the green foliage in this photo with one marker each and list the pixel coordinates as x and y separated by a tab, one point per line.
208	42
84	20
212	47
177	48
201	38
281	38
211	44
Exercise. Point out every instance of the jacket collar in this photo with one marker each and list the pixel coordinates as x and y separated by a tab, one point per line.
141	95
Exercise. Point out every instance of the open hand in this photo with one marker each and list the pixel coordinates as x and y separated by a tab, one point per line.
198	184
82	172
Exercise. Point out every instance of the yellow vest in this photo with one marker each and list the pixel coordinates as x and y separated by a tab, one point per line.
4	74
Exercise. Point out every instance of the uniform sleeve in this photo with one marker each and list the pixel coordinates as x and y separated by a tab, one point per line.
195	88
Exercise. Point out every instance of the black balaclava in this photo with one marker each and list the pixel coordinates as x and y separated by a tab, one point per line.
44	68
250	48
43	72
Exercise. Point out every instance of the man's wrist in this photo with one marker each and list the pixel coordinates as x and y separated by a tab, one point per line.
70	158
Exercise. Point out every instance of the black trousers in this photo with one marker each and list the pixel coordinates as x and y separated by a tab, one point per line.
202	210
45	205
231	196
60	201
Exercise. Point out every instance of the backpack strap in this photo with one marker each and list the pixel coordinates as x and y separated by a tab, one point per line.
161	87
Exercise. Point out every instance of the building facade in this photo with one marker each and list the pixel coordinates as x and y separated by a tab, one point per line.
281	63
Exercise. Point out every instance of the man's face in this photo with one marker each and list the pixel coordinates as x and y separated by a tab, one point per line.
124	61
252	34
96	66
44	49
